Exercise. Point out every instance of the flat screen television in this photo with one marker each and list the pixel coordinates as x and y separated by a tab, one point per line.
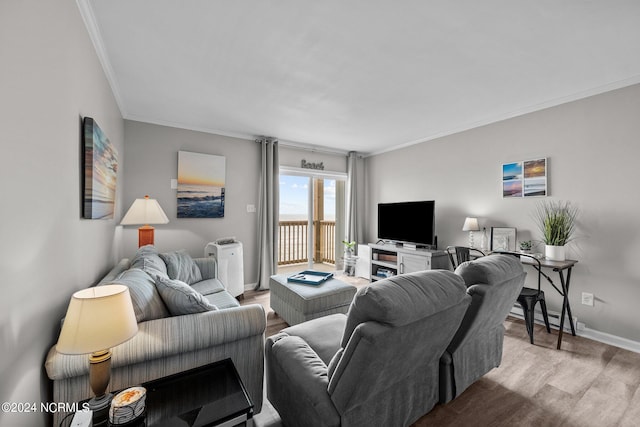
407	222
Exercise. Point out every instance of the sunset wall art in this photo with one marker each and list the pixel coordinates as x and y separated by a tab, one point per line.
201	185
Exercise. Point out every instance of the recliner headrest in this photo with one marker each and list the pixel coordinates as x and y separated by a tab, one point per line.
403	299
490	269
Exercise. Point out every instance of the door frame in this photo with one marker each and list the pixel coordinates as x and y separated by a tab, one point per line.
320	174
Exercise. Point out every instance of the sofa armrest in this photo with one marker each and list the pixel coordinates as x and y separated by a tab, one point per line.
323	334
208	267
297	383
169	336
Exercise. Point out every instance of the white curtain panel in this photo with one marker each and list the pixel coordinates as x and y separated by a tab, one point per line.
268	213
352	199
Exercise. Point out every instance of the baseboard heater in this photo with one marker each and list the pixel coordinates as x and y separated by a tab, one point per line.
554	318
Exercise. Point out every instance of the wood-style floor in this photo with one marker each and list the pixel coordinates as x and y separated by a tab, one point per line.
587	383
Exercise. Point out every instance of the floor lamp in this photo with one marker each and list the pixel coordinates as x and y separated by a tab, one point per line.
98	319
145	211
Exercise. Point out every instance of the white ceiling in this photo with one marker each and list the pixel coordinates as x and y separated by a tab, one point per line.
358	74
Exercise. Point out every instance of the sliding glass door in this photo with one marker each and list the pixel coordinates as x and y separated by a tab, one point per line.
311	221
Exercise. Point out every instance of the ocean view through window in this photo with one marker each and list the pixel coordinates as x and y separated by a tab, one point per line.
307	222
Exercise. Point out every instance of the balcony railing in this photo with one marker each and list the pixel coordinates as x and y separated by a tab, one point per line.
293	239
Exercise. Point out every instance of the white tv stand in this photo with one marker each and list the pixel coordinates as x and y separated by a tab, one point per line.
389	259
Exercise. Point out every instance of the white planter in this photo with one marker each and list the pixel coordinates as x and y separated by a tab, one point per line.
554	253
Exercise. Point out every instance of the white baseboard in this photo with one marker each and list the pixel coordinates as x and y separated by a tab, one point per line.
606	338
581	329
554	318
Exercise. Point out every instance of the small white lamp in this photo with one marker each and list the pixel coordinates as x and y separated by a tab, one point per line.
145	211
471	225
97	319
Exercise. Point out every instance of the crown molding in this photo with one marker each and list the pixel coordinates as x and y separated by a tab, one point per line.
90	22
620	84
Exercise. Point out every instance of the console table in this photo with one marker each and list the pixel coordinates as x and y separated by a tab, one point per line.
211	395
560	267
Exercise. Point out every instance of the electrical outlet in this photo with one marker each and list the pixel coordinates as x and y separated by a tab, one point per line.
251	208
587	299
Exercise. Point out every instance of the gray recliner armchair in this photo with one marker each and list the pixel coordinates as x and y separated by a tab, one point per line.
494	283
376	366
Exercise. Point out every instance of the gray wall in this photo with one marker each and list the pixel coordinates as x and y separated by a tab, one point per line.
49	78
151	161
592	149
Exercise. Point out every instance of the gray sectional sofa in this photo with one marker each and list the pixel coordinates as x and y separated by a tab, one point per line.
494	283
376	366
407	343
167	342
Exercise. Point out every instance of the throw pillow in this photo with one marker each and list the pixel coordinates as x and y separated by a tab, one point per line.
181	298
148	260
147	303
180	266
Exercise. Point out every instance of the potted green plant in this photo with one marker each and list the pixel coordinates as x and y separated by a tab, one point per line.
557	223
349	246
525	246
349	259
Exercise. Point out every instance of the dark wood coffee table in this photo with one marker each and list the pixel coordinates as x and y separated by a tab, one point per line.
211	395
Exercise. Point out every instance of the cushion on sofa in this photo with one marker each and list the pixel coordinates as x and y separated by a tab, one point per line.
208	286
147	259
181	298
222	300
147	303
180	266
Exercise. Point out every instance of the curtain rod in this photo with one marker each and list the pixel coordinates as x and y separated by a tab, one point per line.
313	149
304	147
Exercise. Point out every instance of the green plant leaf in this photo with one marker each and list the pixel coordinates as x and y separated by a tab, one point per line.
556	221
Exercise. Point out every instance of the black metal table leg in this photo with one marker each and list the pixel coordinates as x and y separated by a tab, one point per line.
566	307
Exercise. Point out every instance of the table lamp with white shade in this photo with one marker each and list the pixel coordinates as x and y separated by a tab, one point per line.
145	211
98	319
471	225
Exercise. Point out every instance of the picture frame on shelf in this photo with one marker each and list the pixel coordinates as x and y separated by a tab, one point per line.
503	239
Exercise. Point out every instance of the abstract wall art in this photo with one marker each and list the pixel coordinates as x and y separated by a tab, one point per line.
100	172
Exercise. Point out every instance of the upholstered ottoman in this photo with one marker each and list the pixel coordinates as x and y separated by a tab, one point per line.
297	303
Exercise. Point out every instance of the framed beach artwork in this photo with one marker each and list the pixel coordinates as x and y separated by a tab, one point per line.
526	178
100	172
201	182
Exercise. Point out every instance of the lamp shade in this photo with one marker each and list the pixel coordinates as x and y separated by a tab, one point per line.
97	319
145	211
471	224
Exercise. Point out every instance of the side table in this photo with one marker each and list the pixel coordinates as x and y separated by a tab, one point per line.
211	395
